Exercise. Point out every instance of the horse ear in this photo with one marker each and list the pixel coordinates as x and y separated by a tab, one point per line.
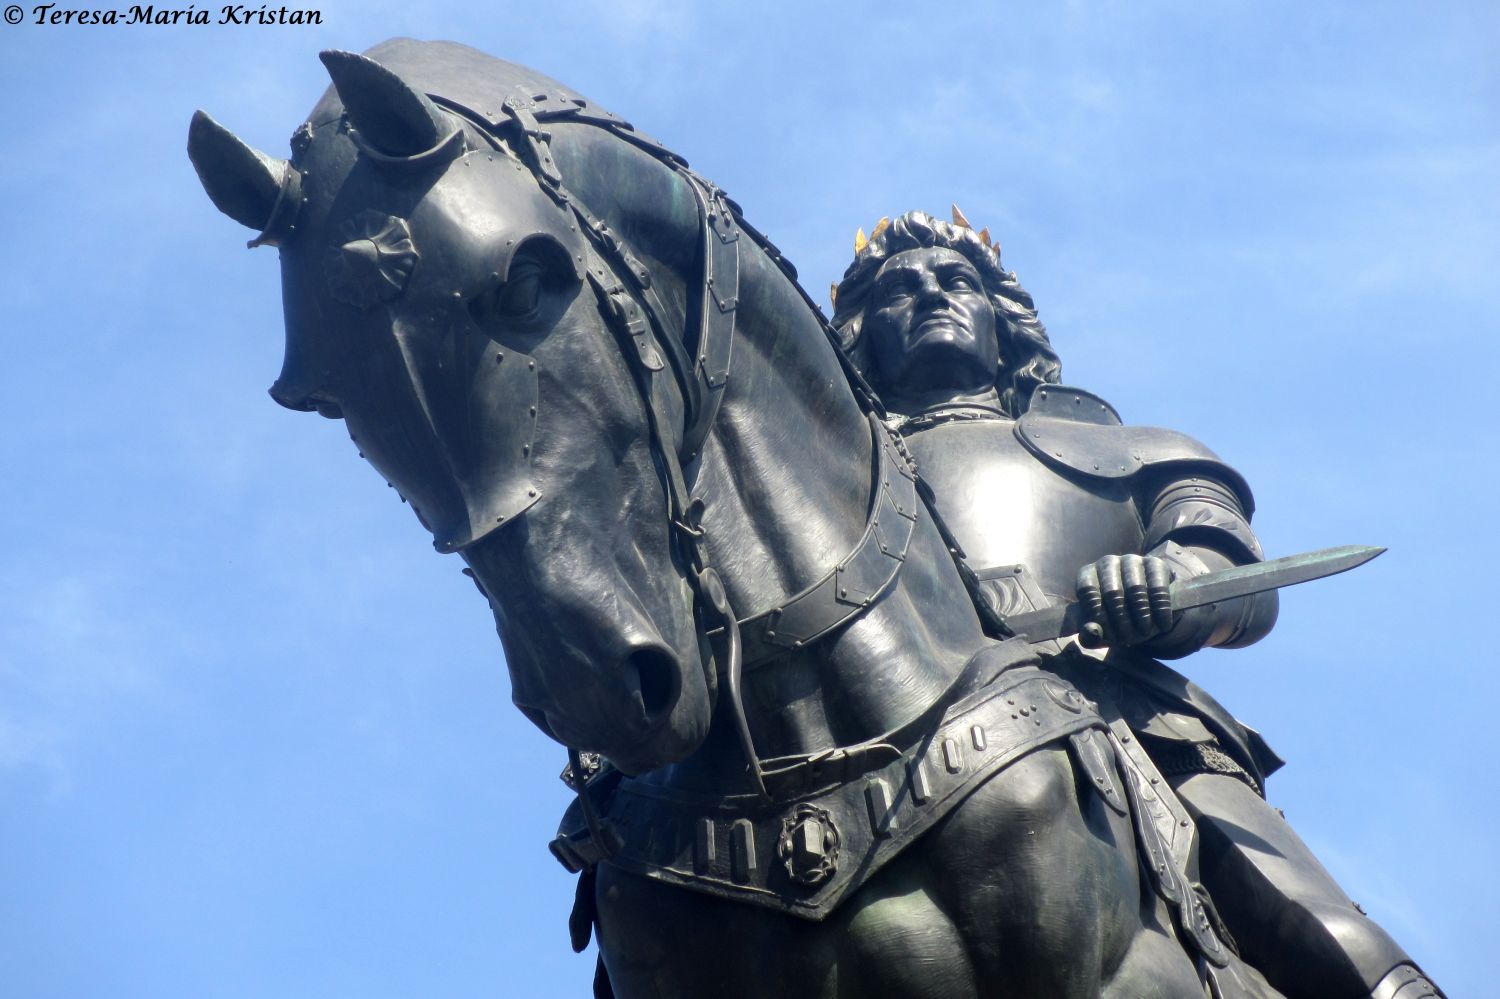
392	117
242	182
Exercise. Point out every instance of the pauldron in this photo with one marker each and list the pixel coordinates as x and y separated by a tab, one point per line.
1188	494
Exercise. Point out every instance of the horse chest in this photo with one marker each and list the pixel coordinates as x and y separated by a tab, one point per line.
1040	884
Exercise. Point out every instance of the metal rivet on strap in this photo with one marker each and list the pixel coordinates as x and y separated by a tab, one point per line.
742	850
953	756
704	847
921	784
882	815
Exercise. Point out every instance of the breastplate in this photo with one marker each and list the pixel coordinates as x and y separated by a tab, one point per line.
1006	508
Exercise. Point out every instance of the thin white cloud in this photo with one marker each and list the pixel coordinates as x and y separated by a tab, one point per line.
77	645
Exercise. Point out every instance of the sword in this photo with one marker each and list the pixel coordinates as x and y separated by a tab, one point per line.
1062	620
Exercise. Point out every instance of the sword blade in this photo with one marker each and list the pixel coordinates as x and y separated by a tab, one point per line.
1257	577
1062	620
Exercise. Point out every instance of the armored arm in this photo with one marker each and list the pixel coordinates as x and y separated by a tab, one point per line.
1195	512
1197	516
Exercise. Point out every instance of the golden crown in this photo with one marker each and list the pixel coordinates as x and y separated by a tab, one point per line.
861	241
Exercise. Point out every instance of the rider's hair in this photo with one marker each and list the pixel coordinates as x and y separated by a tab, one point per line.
1026	355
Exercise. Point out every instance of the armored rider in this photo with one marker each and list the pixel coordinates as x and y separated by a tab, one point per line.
1049	497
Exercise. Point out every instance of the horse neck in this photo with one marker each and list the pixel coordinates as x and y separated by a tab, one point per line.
785	474
785	477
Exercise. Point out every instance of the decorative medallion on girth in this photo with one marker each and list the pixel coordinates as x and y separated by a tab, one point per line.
809	845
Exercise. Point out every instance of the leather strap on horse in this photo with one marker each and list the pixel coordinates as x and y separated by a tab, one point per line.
715	334
637	315
684	511
859	578
700	358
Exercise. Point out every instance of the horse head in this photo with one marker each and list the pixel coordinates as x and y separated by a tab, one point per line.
439	300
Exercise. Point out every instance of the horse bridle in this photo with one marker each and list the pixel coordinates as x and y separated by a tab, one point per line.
626	298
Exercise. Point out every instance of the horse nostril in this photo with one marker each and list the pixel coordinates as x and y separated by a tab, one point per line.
656	681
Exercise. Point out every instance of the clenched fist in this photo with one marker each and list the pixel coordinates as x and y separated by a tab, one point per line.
1126	598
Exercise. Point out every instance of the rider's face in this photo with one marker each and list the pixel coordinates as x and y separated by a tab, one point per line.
931	325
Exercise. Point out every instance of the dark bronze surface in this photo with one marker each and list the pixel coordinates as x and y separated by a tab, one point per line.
529	318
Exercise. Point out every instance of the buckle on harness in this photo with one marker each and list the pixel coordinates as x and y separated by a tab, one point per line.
580	851
598	839
536	139
629	315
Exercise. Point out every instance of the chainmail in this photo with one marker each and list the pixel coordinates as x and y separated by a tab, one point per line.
1179	759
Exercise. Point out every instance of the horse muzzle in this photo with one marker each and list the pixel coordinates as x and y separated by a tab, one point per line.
646	710
599	660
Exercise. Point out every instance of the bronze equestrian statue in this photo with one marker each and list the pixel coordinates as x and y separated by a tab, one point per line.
709	561
1050	498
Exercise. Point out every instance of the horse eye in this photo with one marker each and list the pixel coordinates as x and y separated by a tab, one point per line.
536	285
522	293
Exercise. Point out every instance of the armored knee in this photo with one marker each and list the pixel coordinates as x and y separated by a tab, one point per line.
1405	981
1345	951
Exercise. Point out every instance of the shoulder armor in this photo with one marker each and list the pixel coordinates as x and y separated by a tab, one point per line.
1059	402
1072	429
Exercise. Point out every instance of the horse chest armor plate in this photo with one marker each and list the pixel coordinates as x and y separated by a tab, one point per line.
1008	508
806	855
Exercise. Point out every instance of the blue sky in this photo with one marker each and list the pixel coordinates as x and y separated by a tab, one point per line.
255	737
